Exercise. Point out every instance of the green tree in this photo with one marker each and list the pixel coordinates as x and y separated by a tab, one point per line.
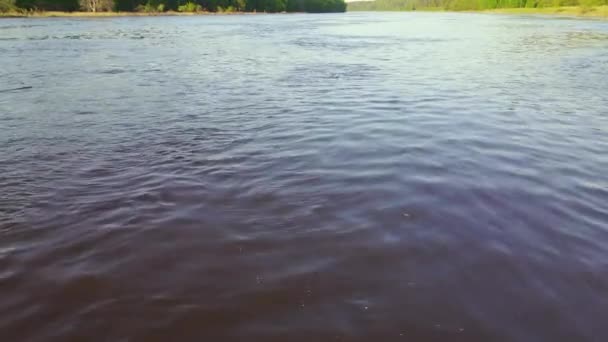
49	5
7	6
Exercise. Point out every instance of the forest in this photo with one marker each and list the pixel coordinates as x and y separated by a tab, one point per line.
462	5
159	6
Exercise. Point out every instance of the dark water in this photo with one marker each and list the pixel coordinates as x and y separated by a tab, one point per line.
357	177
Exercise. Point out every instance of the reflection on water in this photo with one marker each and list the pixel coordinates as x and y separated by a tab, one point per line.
421	177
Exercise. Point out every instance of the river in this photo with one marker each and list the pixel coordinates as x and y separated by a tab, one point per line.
339	177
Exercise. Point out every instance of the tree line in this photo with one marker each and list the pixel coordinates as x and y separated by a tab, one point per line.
461	5
271	6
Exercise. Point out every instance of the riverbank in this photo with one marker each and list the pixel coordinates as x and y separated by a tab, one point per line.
600	12
575	11
53	14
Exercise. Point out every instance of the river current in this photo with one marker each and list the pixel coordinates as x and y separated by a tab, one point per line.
340	177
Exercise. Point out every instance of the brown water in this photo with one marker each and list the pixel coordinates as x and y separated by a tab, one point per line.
356	177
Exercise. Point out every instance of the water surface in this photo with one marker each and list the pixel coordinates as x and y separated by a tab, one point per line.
351	177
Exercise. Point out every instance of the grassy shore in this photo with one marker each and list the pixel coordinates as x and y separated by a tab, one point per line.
575	11
52	14
594	12
600	12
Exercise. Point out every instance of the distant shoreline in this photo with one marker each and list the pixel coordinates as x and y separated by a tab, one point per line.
597	12
57	14
600	12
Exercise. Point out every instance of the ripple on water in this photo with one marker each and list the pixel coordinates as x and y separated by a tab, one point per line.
361	176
